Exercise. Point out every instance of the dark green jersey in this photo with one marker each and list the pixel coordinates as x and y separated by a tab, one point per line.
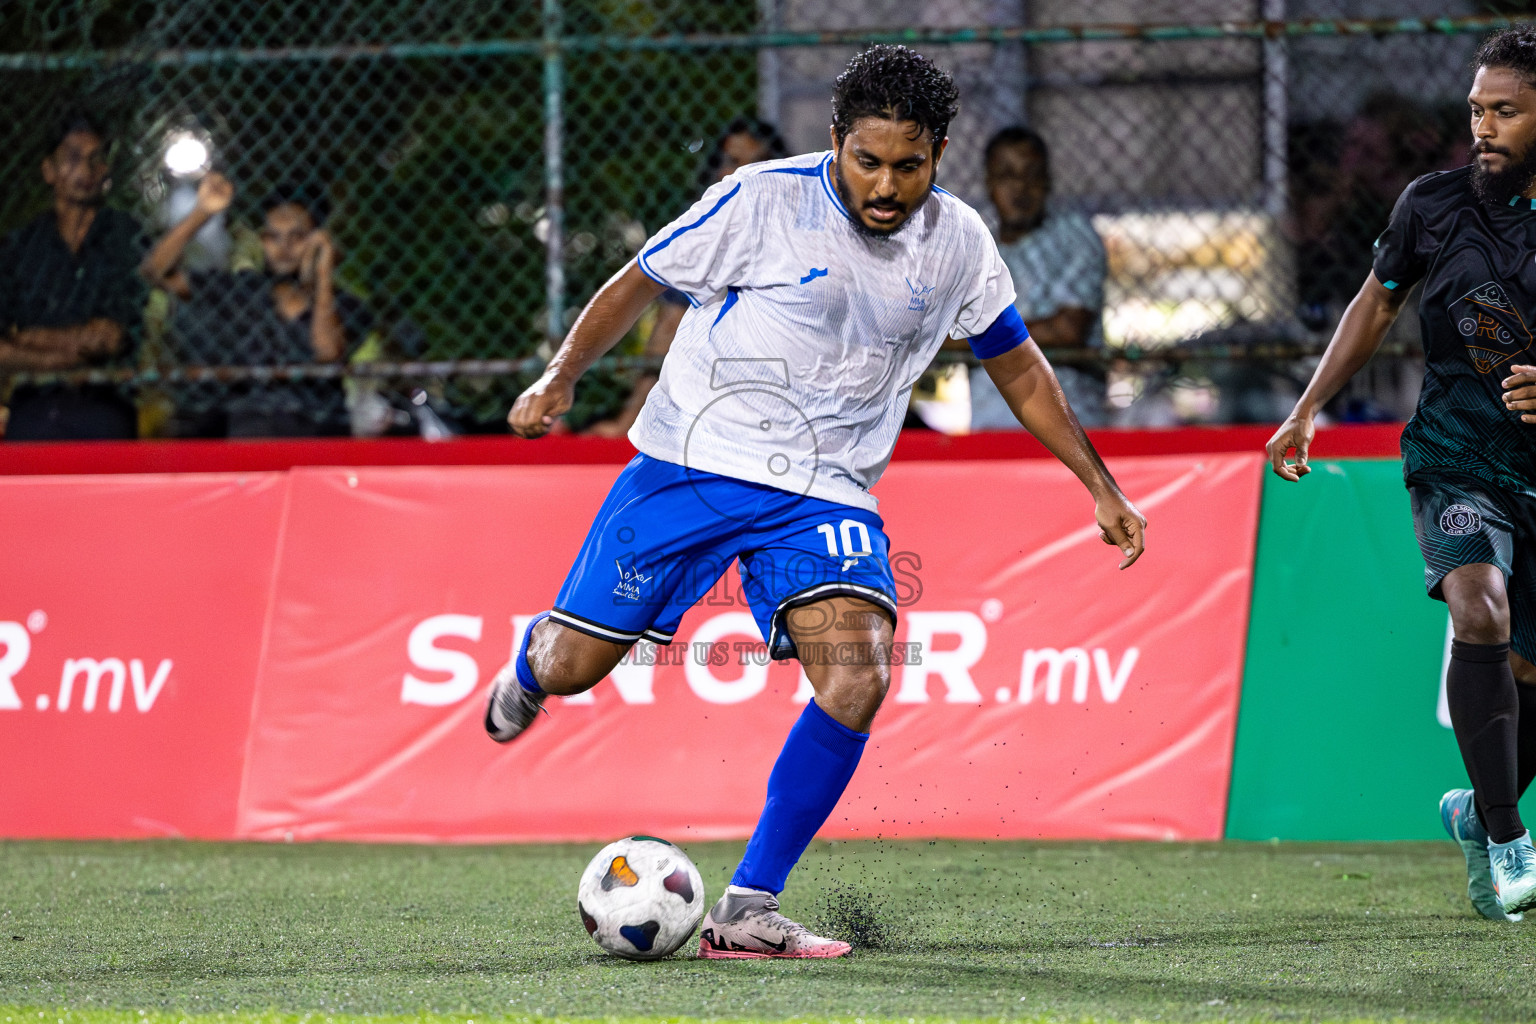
1476	316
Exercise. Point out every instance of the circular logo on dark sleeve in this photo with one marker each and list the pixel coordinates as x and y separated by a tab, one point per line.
1459	520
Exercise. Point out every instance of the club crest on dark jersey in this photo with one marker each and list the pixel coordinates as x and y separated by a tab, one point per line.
1490	326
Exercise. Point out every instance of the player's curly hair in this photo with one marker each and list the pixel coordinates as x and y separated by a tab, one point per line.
1513	48
895	84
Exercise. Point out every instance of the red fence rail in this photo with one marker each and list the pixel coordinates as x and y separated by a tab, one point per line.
49	459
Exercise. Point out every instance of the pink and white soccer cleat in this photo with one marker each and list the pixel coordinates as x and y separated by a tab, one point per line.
749	927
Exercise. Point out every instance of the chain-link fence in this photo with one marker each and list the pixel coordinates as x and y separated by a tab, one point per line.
479	169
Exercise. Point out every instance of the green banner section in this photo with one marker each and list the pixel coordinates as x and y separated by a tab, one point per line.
1338	736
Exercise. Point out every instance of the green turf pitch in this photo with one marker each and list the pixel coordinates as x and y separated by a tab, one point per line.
962	930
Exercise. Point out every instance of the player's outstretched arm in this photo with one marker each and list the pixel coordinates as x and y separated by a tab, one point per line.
605	320
1360	332
1029	386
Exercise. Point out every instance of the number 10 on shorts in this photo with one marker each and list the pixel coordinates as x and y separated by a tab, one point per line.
845	532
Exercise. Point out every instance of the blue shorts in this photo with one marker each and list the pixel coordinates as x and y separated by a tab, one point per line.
666	534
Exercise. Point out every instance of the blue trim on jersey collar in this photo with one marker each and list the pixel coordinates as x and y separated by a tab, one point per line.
1515	199
830	189
643	261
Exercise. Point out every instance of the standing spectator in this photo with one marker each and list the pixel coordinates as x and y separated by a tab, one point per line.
745	140
1058	266
288	313
1341	203
69	297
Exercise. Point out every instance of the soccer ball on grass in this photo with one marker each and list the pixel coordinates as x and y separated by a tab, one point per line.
641	898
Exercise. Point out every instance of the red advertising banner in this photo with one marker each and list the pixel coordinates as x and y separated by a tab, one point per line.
131	617
1053	696
306	654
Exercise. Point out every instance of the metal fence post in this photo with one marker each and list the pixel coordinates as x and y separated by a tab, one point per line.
554	173
768	57
1276	114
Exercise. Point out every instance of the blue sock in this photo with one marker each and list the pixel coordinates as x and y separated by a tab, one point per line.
807	780
524	670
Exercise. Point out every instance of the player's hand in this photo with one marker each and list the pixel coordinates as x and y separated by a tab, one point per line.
1296	432
537	409
1520	392
214	193
1123	525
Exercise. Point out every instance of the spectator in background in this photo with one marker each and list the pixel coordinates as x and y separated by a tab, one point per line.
288	313
1345	180
1342	199
745	140
1058	266
69	297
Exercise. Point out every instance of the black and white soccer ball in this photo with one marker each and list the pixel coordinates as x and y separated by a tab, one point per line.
641	898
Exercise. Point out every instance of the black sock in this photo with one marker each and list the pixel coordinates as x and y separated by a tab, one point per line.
1527	694
1485	709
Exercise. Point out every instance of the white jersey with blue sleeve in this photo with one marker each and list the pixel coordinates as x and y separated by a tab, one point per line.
794	365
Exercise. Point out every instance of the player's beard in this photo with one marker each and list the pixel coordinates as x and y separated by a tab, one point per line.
858	220
1497	188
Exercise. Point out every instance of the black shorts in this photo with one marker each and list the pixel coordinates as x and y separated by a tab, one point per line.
1461	520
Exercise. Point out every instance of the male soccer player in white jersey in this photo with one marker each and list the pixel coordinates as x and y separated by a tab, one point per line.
821	287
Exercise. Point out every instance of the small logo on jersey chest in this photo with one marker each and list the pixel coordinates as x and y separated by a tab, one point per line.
918	300
1459	520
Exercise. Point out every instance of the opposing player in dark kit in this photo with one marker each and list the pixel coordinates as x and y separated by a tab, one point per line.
1469	453
820	287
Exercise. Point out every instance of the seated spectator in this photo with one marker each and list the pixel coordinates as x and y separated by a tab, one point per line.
69	297
1058	265
285	314
745	140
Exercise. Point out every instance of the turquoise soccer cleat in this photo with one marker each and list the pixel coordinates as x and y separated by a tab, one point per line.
1458	813
1514	873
